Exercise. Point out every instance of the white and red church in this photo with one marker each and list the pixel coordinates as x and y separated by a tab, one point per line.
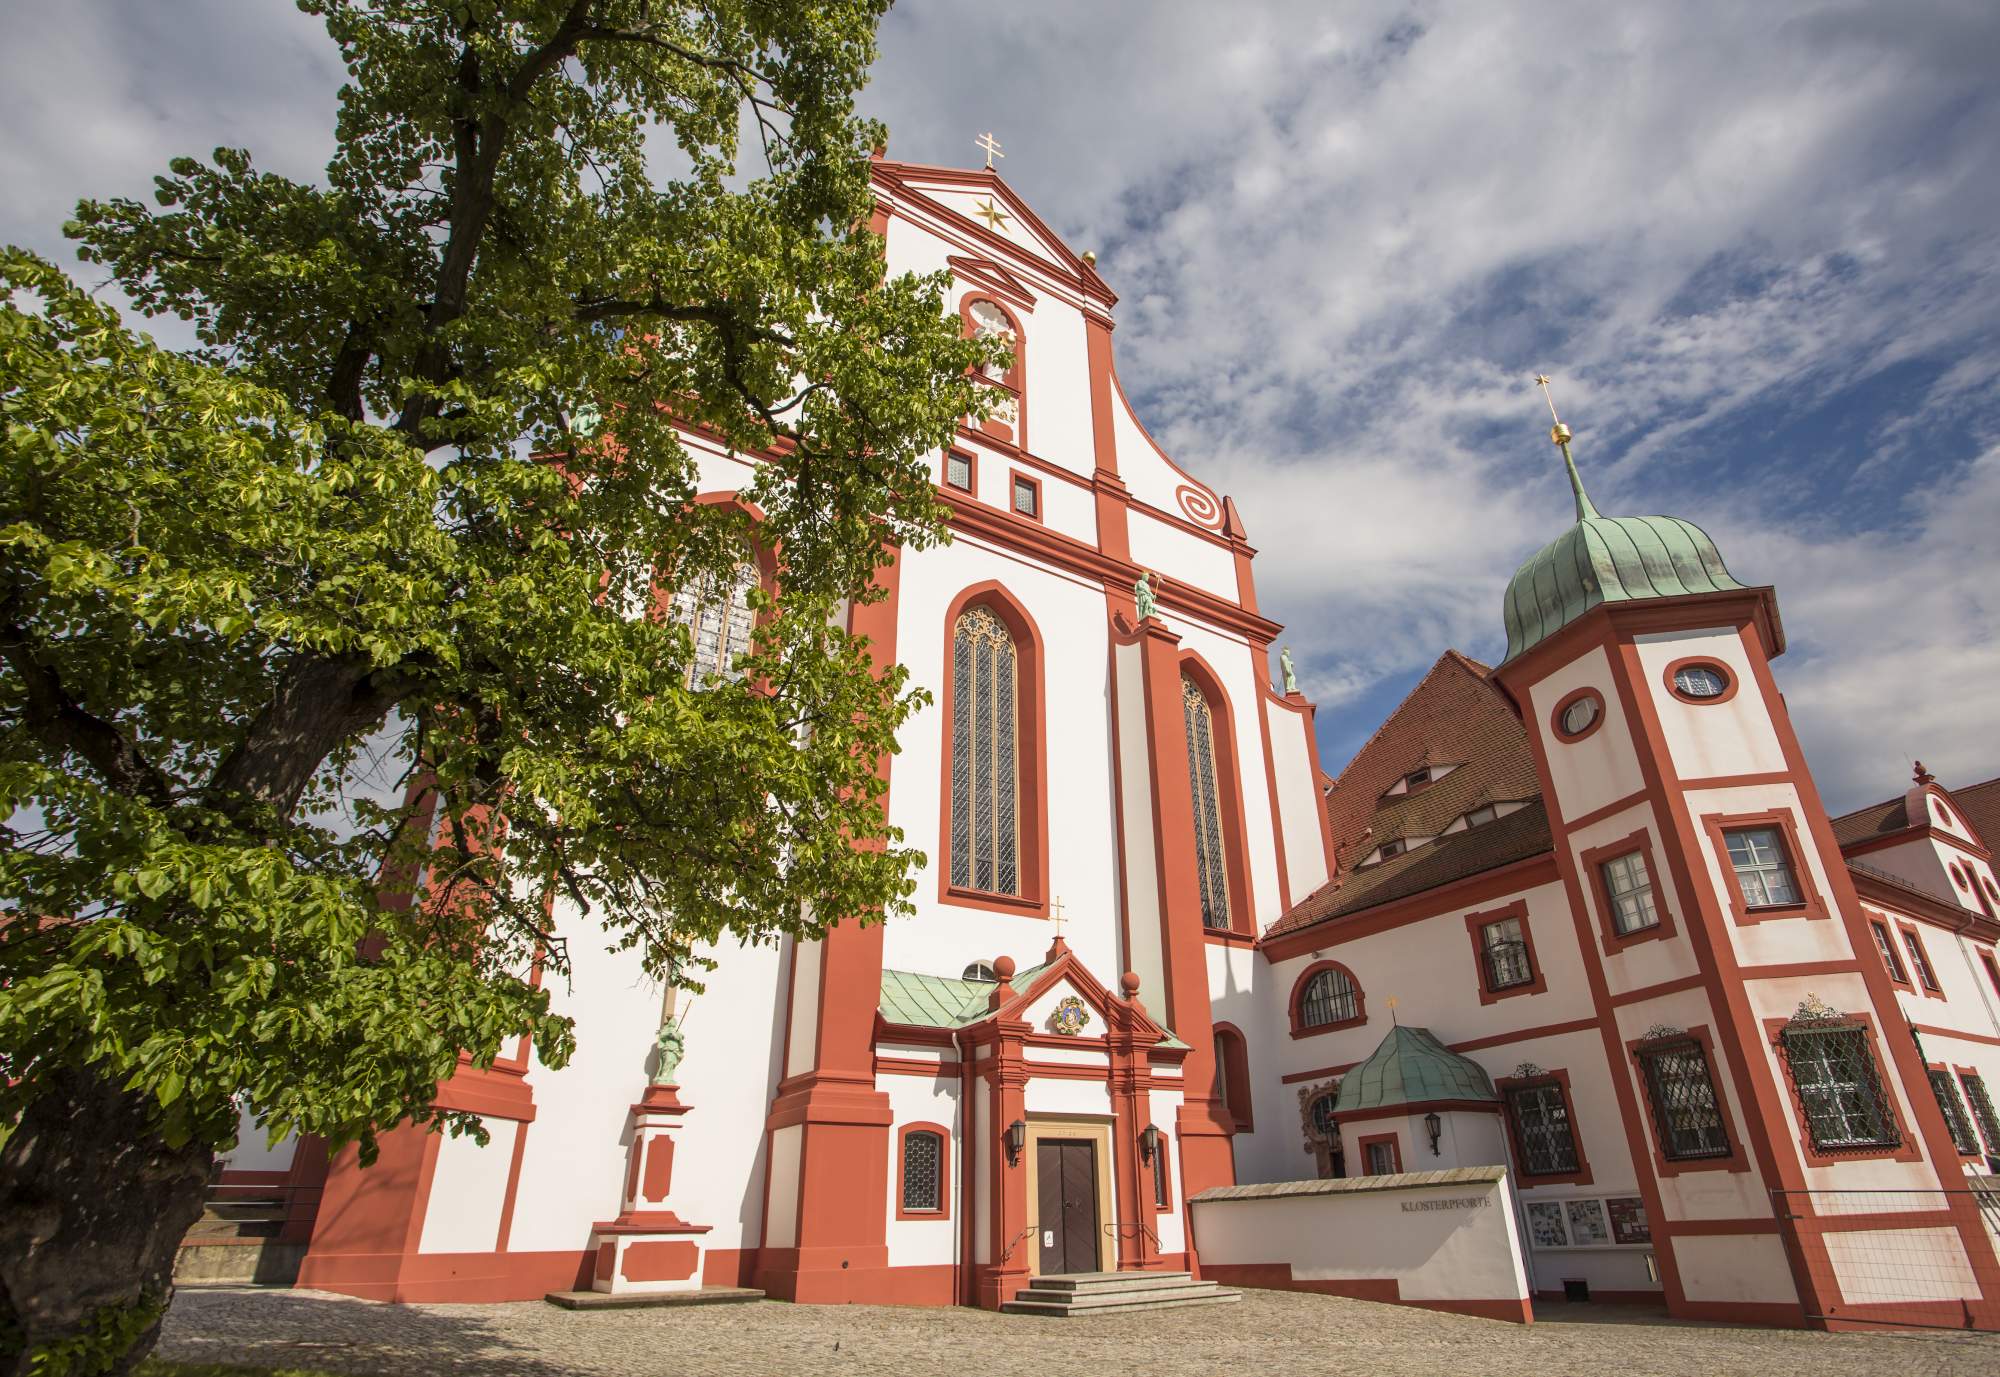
1581	916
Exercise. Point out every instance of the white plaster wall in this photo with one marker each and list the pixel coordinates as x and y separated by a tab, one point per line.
1165	1108
1930	1265
1135	785
1602	767
1179	554
469	1191
1708	739
923	1099
1735	1267
1299	819
254	1151
1045	1095
1154	480
803	1034
981	1119
1432	1253
1776	941
782	1230
943	937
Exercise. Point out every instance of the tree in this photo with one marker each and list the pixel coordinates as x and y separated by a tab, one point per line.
367	509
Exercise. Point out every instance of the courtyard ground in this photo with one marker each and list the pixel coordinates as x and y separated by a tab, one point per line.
1267	1331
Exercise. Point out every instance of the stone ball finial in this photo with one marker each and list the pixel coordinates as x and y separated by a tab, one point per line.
1003	966
1129	983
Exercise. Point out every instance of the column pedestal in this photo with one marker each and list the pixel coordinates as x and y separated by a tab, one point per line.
649	1248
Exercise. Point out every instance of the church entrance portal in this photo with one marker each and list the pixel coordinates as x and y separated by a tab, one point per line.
1066	1169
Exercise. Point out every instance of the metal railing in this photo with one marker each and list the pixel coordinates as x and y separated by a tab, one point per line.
1895	1257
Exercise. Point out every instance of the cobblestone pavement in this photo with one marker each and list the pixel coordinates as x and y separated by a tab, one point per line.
1267	1331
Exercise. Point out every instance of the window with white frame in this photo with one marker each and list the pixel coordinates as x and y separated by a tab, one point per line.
1629	888
1763	866
1503	953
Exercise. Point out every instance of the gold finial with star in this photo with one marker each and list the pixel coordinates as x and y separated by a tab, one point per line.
992	147
1559	433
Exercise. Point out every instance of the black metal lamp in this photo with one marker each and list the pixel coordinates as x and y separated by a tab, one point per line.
1017	1138
1434	1126
1149	1142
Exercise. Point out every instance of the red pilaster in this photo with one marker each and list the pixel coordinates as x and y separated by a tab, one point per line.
1129	1036
998	1281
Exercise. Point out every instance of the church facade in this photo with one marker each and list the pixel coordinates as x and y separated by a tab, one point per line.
1582	916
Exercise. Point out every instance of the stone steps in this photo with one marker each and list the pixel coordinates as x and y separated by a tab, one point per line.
1096	1293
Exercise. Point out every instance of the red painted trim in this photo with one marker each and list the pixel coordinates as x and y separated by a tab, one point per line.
943	1135
659	1260
1365	1141
1720	670
1411	1108
513	1194
1592	862
1611	809
419	1278
1299	1028
1559	1077
1563	706
1030	755
1659	991
1232	1053
1812	904
1015	482
1475	925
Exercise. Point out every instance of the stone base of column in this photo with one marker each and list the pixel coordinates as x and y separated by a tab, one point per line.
649	1249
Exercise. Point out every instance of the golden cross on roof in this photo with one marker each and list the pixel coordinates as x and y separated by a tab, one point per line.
992	147
1056	914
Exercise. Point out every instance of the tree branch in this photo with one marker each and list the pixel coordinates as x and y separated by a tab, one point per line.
64	726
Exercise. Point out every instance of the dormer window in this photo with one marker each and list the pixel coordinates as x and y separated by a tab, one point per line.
1417	779
1481	815
981	971
1394	848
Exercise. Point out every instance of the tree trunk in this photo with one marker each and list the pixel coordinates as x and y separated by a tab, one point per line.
93	1205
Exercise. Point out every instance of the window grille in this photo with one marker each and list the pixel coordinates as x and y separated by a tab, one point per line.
1330	997
1319	1115
985	822
1505	955
1211	866
1982	1109
1700	681
1685	1110
1025	497
716	611
1542	1129
1888	950
1763	870
958	470
1962	1136
1925	975
1630	888
1838	1085
923	1184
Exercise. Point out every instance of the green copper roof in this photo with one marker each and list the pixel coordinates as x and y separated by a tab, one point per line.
1410	1067
1607	559
936	1001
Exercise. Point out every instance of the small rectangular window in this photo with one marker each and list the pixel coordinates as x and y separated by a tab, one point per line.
1542	1129
923	1186
1027	497
1160	1197
1839	1087
1381	1159
958	470
1925	976
1763	868
1888	950
1962	1136
1974	1086
1685	1110
1630	889
1504	954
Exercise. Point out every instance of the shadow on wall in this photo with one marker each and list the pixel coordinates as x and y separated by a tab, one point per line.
307	1329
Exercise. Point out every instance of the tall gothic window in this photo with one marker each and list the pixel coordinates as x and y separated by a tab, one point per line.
985	803
1210	865
716	612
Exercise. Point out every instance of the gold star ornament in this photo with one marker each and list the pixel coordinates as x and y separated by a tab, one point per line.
994	217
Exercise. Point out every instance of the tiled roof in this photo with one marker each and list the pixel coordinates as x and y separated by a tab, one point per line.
1454	716
1979	804
1411	1066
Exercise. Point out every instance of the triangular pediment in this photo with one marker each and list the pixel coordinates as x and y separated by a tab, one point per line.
979	201
993	275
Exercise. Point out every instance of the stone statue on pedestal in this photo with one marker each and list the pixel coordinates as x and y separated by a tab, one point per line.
1142	591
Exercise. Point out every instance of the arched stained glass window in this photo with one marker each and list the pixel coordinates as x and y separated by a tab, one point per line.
985	805
1210	866
716	612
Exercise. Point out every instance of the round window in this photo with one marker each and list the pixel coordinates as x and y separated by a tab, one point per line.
1700	681
1578	716
1991	888
1961	875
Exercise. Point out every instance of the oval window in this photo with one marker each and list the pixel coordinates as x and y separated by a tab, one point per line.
1700	681
1579	716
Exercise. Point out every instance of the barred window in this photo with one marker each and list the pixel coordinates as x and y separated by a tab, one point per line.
1982	1110
1839	1087
1027	497
1962	1136
1686	1113
923	1183
985	790
1630	889
1542	1129
1763	869
958	470
1925	976
1319	1114
1211	866
1504	954
1888	950
1329	997
716	612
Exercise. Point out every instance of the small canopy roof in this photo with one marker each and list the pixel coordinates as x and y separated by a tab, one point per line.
1412	1067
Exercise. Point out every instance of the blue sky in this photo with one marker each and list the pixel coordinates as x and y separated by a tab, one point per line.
1756	245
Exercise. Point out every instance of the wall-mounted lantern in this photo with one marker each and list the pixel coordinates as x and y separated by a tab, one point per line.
1434	1126
1017	1138
1149	1142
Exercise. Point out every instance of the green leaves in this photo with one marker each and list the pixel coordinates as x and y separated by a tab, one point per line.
329	653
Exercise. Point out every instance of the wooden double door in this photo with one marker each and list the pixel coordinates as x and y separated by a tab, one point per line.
1066	1199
